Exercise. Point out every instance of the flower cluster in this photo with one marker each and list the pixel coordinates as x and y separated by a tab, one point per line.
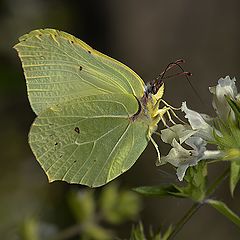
189	142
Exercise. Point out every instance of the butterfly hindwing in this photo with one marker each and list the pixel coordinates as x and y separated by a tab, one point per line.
89	140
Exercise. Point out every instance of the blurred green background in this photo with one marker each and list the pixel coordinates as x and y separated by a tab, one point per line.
145	35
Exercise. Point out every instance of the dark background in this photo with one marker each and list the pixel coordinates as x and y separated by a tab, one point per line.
145	35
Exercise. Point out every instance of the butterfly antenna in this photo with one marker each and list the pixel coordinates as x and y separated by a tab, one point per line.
183	73
169	67
179	74
193	88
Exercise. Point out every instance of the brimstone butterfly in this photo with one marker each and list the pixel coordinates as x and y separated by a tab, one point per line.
95	116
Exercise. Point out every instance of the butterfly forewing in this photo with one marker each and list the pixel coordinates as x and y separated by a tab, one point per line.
59	67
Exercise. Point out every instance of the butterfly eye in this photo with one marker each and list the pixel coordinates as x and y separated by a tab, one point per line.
160	82
154	89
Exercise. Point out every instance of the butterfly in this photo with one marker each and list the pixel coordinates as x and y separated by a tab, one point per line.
95	116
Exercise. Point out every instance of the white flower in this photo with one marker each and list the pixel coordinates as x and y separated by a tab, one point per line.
189	141
199	123
178	131
194	136
183	158
226	87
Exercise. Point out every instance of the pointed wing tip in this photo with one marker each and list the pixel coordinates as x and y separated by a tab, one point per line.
15	46
50	179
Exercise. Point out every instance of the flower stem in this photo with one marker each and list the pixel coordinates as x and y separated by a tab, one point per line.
194	208
185	219
217	182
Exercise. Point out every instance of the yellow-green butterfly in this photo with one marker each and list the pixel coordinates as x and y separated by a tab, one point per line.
95	115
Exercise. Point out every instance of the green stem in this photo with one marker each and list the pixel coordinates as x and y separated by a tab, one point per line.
217	182
185	219
194	208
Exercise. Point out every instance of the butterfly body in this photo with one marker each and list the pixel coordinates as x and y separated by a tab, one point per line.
95	115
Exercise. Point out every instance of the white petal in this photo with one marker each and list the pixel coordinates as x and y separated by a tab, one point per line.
176	155
178	131
214	154
181	172
183	158
168	134
197	144
225	87
198	122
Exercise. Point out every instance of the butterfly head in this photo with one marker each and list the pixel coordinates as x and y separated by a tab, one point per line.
155	88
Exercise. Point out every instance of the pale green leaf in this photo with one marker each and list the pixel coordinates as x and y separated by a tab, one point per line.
158	191
108	200
138	233
234	175
96	232
30	229
224	210
82	205
196	178
117	206
235	105
167	234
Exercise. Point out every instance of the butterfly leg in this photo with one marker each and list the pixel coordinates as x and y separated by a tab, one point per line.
158	162
167	110
168	105
171	110
176	116
161	112
170	117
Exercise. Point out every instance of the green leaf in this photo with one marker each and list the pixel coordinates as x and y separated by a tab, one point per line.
224	210
33	229
194	189
95	232
230	134
118	206
167	234
158	191
196	182
30	229
108	200
128	206
162	236
234	175
138	233
82	205
235	105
